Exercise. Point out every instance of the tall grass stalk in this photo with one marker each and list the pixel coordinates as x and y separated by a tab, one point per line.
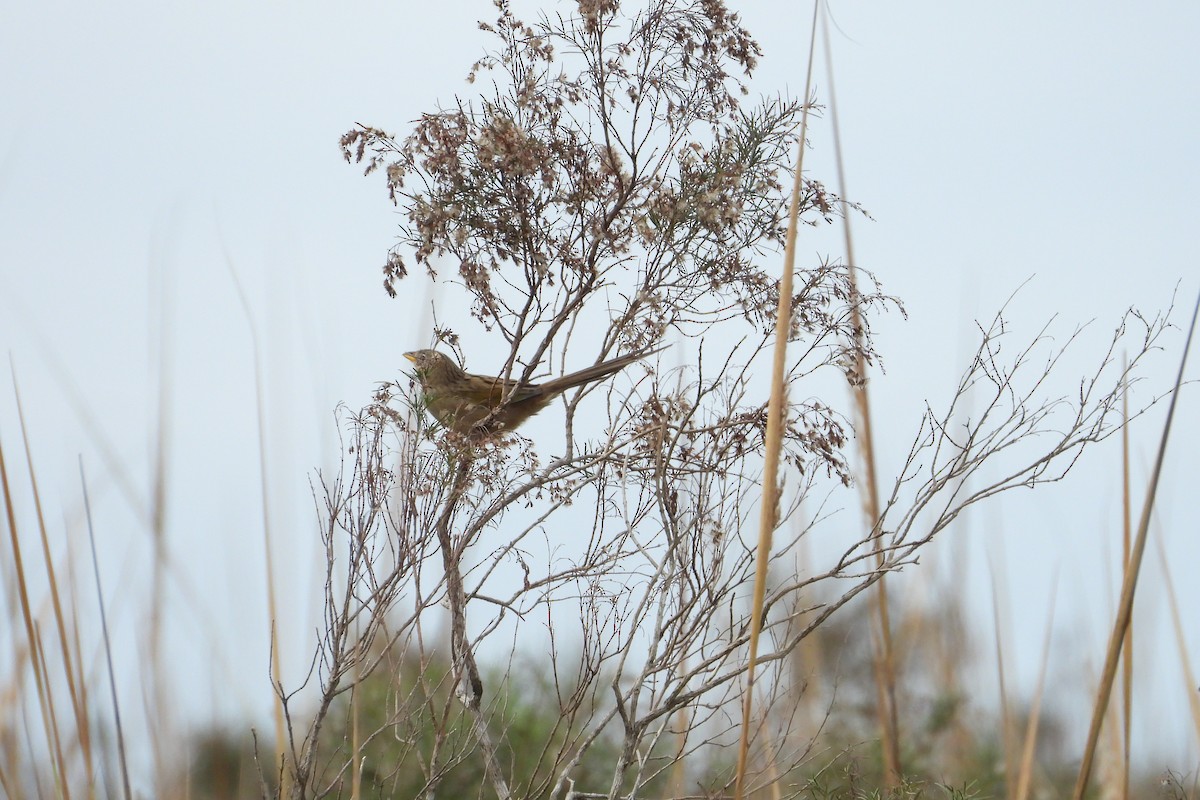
1126	544
157	699
885	662
1185	663
51	575
1129	585
77	708
61	775
281	746
112	681
1029	747
769	512
41	683
1006	722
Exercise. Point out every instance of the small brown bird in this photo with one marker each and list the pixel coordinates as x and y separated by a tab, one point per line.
468	403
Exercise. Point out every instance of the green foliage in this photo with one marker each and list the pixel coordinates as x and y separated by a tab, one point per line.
404	705
951	751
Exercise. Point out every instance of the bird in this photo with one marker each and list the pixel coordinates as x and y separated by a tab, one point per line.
482	404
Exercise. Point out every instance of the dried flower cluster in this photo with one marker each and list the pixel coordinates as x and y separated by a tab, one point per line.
627	173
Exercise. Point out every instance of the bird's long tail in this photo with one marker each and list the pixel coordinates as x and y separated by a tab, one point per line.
596	372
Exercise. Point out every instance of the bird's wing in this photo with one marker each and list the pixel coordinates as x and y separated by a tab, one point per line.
498	389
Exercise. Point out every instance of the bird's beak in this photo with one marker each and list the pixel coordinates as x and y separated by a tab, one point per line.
411	357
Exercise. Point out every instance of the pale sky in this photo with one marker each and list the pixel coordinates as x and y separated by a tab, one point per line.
141	144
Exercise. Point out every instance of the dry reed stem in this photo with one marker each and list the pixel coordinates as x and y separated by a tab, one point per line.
1185	663
85	729
885	663
1025	773
1111	769
112	681
40	679
281	745
1129	585
158	703
355	737
768	513
1006	722
1126	543
59	762
772	765
79	712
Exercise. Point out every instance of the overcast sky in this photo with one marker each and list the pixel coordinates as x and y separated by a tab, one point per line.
151	151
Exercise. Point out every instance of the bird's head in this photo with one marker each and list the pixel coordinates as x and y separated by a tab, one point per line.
431	364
